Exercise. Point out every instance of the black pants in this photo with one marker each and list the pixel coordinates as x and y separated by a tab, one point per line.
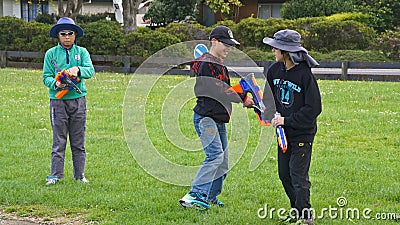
293	167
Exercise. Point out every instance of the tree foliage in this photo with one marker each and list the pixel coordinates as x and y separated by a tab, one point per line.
384	13
162	12
225	7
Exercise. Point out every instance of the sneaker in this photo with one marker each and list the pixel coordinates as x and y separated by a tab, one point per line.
84	180
217	202
309	221
290	217
51	180
195	199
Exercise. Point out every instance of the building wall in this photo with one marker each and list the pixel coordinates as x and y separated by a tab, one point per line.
1	8
87	8
250	8
11	8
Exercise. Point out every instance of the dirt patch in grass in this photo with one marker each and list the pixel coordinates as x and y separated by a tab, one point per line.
12	218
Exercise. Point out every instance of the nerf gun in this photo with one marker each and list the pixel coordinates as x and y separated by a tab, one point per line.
65	78
281	136
249	84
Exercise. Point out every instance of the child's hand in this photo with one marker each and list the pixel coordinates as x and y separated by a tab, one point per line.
248	102
73	71
278	121
59	84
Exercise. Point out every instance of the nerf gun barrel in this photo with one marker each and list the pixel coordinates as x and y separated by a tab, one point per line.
64	77
249	84
281	136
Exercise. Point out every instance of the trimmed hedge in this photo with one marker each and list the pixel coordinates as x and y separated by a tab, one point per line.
348	31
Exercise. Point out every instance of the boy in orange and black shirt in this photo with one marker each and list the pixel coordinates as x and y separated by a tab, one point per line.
212	111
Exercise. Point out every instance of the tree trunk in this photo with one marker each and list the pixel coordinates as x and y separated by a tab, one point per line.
130	10
73	8
61	12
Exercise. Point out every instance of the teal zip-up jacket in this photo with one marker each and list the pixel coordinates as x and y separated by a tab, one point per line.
67	58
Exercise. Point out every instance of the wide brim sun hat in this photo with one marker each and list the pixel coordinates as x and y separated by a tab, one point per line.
286	40
65	23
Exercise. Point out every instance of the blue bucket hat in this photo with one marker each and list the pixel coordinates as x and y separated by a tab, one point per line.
65	23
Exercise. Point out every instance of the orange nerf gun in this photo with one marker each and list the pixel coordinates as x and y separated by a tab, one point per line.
65	78
249	84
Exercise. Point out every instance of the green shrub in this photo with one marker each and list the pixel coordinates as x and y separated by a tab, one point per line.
148	43
186	31
37	37
331	35
12	36
251	31
259	55
94	18
352	55
389	43
354	16
46	18
228	23
103	37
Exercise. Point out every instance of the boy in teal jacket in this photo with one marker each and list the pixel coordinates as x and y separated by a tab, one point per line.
68	113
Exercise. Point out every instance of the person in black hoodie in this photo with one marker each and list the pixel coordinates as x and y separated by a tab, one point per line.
298	100
212	111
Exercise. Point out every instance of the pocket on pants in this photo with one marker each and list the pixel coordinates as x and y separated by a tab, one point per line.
301	148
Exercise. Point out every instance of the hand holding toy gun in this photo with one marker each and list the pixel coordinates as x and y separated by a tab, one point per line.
65	78
281	136
249	84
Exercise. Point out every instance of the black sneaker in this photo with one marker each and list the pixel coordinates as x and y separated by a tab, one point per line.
217	202
195	199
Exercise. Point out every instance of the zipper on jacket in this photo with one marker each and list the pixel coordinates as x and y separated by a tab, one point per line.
67	56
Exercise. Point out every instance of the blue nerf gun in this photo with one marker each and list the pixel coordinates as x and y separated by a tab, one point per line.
249	84
281	136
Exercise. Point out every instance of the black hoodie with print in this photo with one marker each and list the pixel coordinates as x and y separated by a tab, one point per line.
297	98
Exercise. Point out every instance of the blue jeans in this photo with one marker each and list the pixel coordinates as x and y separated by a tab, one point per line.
212	172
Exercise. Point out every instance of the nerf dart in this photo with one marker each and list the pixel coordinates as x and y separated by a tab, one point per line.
281	136
249	84
65	78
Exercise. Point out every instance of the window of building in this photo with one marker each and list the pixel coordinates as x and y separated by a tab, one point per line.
266	11
32	8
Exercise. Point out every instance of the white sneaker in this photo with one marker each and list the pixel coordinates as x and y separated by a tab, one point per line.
84	180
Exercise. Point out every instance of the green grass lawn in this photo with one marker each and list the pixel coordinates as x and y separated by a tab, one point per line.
355	155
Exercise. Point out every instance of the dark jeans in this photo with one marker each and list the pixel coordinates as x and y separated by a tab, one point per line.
293	167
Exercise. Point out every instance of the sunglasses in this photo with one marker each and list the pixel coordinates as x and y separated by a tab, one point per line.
66	33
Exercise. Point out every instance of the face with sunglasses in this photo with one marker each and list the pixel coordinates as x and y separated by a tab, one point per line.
67	38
